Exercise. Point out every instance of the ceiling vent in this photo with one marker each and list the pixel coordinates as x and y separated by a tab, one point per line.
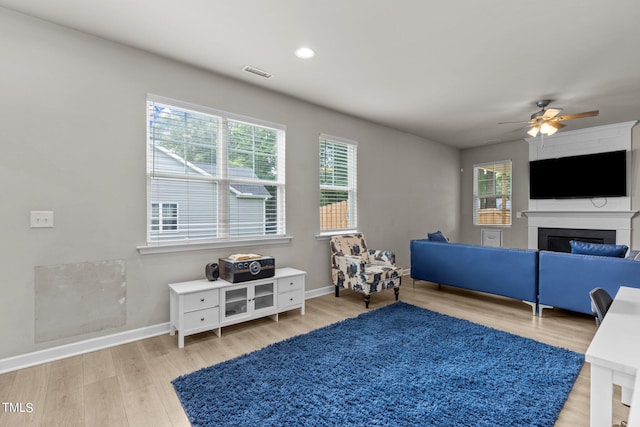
257	72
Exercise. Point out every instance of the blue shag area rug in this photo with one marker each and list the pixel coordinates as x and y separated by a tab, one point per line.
399	365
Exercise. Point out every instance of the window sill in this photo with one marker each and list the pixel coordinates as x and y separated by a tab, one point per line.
163	248
329	234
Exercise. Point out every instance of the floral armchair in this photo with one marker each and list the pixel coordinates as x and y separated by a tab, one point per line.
361	269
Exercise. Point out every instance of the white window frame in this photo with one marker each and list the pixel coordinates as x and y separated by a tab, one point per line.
477	168
222	181
351	188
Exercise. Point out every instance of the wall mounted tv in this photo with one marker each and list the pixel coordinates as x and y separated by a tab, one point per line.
579	177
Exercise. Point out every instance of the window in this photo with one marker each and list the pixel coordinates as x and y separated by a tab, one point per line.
492	193
338	184
212	176
164	217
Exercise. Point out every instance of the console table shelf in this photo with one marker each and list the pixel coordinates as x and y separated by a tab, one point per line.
202	305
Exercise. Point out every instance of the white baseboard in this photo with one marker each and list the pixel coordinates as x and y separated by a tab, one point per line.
60	352
56	353
319	292
68	350
331	288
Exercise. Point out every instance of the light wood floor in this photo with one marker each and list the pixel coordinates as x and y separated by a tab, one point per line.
130	385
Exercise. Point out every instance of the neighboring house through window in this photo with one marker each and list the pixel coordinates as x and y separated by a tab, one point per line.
338	184
164	217
212	175
492	193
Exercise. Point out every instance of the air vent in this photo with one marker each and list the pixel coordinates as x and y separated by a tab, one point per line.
257	72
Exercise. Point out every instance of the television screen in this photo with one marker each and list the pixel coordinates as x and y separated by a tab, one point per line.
579	177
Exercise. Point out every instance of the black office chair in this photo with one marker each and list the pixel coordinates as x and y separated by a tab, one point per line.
600	303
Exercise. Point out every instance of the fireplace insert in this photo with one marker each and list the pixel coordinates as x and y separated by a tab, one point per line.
557	239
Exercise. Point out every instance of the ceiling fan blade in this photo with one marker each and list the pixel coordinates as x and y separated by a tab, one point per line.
577	116
556	125
521	128
551	112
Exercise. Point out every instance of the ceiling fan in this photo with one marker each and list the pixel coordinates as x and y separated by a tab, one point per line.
547	121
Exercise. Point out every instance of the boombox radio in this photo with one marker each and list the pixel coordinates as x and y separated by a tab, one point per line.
243	267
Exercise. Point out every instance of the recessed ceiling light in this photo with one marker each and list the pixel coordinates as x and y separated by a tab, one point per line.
304	53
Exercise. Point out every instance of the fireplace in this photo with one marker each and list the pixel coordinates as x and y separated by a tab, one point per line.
557	239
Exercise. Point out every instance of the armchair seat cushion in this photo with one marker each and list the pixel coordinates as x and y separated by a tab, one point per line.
374	273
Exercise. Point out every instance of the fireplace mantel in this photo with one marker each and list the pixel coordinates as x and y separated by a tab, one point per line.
623	215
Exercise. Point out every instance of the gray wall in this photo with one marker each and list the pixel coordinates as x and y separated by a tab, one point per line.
73	141
516	151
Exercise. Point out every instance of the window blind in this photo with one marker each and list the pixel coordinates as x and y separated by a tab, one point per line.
212	175
338	184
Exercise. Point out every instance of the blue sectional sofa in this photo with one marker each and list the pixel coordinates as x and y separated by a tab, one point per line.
511	273
564	280
539	278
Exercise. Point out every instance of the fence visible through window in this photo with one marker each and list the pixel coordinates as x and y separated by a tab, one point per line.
334	216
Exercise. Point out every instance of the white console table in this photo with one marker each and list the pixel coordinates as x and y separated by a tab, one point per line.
202	305
614	355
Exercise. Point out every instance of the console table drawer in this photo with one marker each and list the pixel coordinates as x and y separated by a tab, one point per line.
290	284
207	318
289	299
203	299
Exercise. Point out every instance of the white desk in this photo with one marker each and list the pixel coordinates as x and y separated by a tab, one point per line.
634	413
614	354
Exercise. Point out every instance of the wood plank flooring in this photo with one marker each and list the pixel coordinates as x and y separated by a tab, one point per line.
130	385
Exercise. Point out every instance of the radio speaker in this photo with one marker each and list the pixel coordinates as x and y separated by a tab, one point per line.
212	271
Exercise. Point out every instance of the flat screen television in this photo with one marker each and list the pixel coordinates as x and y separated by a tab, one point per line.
579	177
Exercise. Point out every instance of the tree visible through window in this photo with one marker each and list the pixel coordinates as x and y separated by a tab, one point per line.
338	184
212	175
492	193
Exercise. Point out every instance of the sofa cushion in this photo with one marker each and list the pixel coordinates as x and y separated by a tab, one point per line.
437	237
584	248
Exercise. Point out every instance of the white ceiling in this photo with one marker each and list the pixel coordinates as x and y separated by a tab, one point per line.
445	70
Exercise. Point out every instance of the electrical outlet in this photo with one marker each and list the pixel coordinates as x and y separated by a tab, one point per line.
41	219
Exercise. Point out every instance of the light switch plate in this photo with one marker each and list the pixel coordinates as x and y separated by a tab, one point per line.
41	219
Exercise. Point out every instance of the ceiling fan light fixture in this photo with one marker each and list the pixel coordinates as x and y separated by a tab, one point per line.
548	122
547	129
